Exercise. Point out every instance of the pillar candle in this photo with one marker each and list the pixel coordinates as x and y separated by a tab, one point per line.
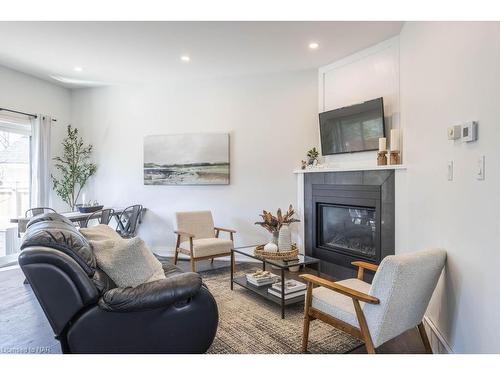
395	140
382	144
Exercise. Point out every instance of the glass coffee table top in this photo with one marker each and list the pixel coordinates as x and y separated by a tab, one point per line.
301	260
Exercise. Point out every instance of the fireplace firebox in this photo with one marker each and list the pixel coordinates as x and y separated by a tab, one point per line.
348	216
348	229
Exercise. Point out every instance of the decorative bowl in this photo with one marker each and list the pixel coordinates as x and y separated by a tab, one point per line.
89	209
280	255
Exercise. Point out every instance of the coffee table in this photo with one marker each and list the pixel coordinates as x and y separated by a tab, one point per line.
283	266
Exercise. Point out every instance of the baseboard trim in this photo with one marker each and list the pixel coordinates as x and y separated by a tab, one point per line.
439	336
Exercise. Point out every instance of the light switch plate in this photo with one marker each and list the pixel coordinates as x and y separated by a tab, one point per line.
450	170
480	168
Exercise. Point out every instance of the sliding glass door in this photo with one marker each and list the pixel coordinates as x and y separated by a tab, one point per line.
14	182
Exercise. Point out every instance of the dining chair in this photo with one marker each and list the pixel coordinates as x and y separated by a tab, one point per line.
128	221
375	313
102	216
38	211
199	238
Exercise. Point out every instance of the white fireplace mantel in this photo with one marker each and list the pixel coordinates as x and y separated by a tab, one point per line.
348	168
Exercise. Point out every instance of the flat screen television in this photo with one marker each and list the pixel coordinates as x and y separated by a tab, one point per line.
352	129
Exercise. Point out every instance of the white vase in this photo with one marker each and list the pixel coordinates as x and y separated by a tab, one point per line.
274	240
285	239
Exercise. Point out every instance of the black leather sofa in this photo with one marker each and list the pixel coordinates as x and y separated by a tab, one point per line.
89	314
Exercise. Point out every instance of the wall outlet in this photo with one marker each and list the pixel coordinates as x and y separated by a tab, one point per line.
450	170
454	132
480	168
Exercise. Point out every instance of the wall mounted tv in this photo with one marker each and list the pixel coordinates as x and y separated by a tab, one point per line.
352	129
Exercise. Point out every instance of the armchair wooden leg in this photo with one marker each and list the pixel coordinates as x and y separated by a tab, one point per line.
212	261
193	267
307	318
365	332
425	339
176	255
191	253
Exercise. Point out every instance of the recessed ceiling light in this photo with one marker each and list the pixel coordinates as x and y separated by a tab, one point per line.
185	58
77	68
313	45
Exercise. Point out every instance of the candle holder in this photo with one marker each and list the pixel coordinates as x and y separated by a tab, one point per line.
395	157
382	158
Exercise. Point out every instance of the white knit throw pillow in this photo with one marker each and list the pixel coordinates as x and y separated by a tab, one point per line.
128	262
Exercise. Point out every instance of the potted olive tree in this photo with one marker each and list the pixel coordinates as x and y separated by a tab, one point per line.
74	166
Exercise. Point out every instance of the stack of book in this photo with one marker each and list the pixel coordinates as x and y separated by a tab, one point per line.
293	288
260	278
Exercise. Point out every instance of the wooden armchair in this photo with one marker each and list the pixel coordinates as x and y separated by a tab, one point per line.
383	310
201	237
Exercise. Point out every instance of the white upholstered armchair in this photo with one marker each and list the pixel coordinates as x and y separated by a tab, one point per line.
375	313
199	238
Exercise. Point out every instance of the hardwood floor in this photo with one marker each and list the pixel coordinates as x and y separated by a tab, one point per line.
24	328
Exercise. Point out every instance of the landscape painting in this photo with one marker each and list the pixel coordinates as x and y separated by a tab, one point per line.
186	159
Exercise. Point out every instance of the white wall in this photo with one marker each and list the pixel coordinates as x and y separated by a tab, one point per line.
25	93
366	75
450	72
272	121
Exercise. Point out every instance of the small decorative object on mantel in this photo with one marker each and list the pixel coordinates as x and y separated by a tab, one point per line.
395	158
278	226
303	164
382	158
382	151
312	157
395	153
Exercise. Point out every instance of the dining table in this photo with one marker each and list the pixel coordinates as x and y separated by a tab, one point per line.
74	216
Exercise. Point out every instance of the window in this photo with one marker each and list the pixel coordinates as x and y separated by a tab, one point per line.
15	138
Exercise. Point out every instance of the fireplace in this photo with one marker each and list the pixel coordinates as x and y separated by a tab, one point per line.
348	216
352	230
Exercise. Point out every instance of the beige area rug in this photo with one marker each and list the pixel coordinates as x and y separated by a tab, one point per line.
249	324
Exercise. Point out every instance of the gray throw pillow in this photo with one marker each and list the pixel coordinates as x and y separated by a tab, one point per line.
128	262
100	232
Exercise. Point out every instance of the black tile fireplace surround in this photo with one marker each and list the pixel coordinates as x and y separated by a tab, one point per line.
348	216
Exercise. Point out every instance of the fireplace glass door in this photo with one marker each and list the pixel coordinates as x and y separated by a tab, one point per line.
350	229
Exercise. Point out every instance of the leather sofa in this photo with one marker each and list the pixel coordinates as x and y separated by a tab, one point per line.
89	314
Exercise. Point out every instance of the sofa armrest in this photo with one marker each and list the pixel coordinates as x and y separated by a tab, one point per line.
156	294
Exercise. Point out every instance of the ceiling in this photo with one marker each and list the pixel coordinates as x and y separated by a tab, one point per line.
140	52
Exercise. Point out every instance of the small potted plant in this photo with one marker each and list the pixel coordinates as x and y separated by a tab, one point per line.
312	156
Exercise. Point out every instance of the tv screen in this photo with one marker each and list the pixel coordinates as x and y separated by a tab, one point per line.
352	129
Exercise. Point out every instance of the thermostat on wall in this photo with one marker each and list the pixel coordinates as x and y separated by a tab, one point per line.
469	131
